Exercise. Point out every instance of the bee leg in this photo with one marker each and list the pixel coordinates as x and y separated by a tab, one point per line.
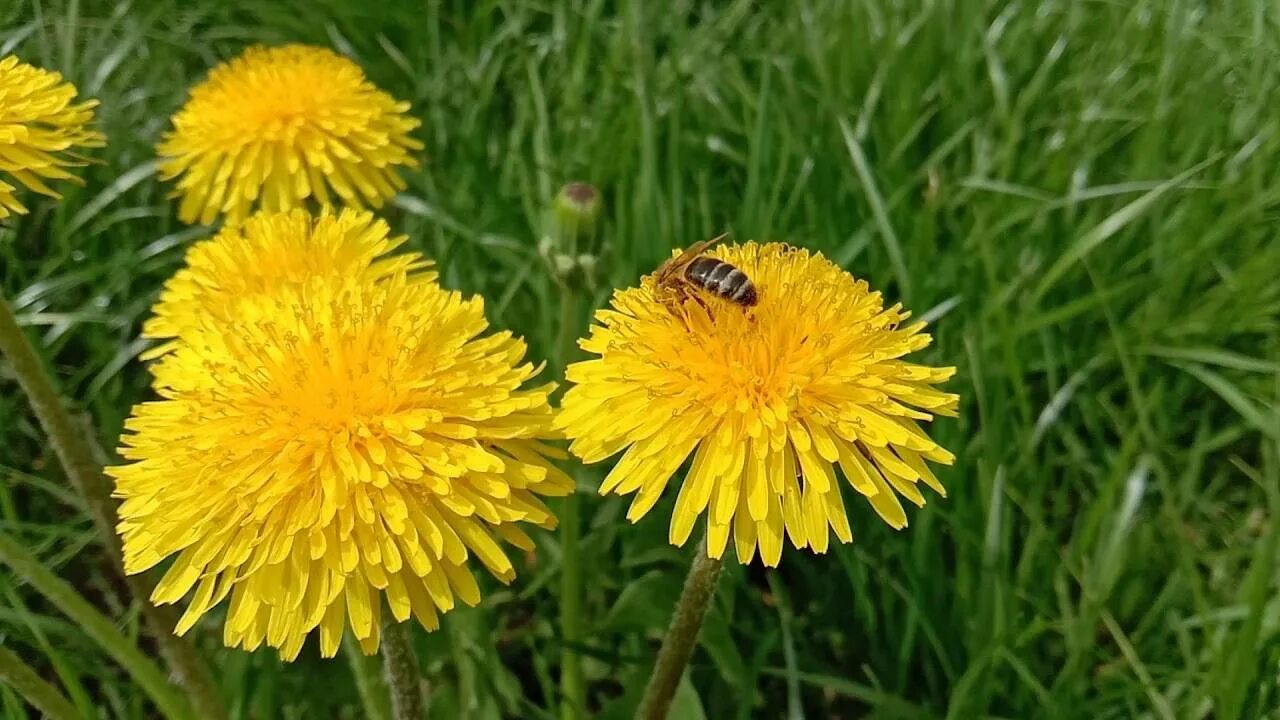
671	301
706	309
701	303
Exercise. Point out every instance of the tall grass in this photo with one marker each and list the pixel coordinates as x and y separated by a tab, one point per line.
1082	195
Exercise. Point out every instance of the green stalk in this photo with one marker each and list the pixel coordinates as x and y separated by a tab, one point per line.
403	678
575	215
40	694
572	688
96	626
86	476
368	685
682	636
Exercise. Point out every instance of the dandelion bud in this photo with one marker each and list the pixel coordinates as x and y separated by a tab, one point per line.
576	209
571	229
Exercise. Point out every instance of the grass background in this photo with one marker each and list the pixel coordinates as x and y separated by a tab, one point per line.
1082	194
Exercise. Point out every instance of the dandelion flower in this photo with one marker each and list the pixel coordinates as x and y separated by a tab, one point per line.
329	444
267	252
279	125
767	400
40	125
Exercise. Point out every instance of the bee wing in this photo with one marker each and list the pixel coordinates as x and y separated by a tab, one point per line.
693	251
706	245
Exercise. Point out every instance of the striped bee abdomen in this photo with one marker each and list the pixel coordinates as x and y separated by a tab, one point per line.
722	279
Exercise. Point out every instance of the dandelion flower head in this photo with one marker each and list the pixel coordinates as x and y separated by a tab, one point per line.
278	125
767	400
329	444
270	251
41	125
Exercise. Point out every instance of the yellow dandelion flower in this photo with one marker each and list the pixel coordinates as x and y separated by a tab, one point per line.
767	399
40	125
279	125
267	252
330	444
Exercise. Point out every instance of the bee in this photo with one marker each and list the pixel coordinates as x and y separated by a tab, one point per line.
692	269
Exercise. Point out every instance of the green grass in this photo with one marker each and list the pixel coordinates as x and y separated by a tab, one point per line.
1083	195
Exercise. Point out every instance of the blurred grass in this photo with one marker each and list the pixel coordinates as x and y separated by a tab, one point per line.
1082	195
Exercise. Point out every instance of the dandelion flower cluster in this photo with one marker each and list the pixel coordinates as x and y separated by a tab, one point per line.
767	400
279	125
40	126
340	439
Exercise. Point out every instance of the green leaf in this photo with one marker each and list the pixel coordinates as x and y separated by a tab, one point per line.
686	705
645	603
717	640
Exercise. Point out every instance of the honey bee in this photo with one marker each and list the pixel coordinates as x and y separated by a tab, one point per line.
692	269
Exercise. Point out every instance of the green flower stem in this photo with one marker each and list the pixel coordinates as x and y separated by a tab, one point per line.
575	216
572	687
77	460
42	696
403	678
95	625
682	636
573	695
369	686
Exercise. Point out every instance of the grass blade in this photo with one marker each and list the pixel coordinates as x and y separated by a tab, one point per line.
98	627
1236	398
1112	224
1158	701
1213	356
878	210
1235	676
42	696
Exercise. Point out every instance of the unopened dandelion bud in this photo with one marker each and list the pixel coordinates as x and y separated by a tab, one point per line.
577	209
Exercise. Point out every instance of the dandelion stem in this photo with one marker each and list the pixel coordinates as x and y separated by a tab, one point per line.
401	667
677	646
574	217
572	689
84	472
364	670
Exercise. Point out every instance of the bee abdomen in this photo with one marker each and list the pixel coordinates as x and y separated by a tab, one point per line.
722	279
